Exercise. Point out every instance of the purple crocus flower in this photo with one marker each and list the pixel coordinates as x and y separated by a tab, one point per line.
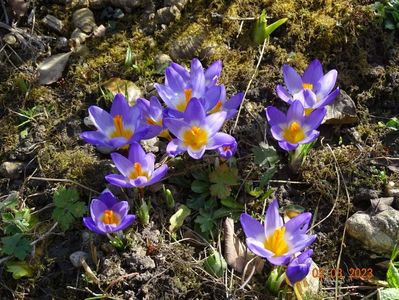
107	214
152	115
313	89
299	267
181	86
294	128
116	129
196	132
275	241
137	170
229	106
227	150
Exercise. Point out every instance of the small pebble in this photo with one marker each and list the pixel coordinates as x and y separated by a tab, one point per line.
76	257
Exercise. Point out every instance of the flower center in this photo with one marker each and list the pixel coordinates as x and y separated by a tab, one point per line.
217	107
187	95
294	133
151	121
138	171
195	137
226	148
307	86
110	217
119	130
308	111
276	242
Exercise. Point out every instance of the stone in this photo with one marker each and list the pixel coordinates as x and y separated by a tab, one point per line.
377	232
117	85
53	23
167	15
12	169
341	111
161	62
76	258
83	18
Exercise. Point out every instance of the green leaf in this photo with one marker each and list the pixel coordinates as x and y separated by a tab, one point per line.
267	176
393	124
253	191
215	264
197	201
64	196
272	27
205	221
143	213
67	207
393	276
16	245
232	203
222	178
10	202
170	200
177	220
128	57
265	155
200	187
19	269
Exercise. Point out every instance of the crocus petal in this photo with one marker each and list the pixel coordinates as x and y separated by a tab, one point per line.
298	224
118	180
176	126
273	219
258	248
137	155
277	133
121	208
295	112
292	79
215	121
97	208
297	272
94	137
325	85
211	97
275	117
150	160
313	72
329	99
126	222
283	94
118	142
301	241
143	104
140	181
219	139
287	146
108	198
308	98
175	147
279	260
131	117
181	70
158	174
314	119
196	153
155	107
194	113
119	105
123	164
101	119
197	80
213	72
174	80
234	101
88	222
310	138
252	227
166	94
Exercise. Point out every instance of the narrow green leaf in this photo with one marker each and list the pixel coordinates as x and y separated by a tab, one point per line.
215	264
272	27
177	220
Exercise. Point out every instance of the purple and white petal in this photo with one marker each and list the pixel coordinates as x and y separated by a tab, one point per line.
97	208
123	164
174	80
121	208
325	85
119	105
295	112
88	222
118	180
273	219
313	73
329	99
194	114
101	119
283	94
196	153
298	224
126	222
108	198
292	79
176	126
276	117
252	228
215	121
314	120
158	174
287	146
218	140
257	248
175	147
137	155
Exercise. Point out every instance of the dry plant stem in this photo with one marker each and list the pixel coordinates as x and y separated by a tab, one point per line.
337	171
64	180
119	279
347	216
3	6
44	235
266	41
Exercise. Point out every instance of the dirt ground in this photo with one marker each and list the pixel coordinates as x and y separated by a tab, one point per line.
344	35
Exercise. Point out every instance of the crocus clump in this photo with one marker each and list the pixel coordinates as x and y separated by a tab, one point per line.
276	241
151	115
299	267
294	128
137	170
197	132
108	214
314	88
117	129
